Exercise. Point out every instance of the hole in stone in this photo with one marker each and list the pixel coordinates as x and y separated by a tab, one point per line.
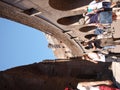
89	36
32	11
87	28
68	4
69	20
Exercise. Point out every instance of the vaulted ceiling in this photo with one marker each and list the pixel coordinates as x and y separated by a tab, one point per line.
59	18
56	17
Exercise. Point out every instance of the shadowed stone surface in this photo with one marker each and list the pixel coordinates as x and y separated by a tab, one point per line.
69	20
52	75
68	4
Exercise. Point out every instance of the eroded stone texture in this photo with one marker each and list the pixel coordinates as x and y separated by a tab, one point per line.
52	75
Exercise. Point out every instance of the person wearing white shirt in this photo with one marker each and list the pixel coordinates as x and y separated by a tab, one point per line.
96	85
96	57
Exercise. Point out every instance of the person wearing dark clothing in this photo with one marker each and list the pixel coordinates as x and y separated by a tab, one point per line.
94	44
100	43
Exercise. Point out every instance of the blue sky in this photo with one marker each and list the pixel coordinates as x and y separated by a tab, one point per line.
21	45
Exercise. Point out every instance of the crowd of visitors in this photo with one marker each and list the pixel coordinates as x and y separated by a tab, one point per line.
100	13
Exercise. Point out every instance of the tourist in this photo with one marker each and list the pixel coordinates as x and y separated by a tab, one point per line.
100	43
97	56
96	85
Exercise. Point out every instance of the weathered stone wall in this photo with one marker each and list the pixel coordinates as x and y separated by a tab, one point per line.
52	75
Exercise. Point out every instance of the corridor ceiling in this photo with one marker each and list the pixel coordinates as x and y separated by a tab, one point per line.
58	18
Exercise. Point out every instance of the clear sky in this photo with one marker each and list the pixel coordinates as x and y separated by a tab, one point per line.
21	45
